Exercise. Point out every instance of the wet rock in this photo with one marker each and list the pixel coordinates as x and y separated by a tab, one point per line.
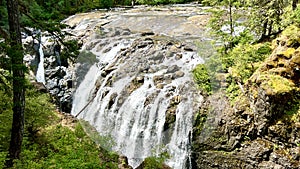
158	79
54	91
107	71
135	84
123	163
178	45
112	100
40	87
189	49
147	33
169	120
160	86
139	79
178	74
178	56
173	69
158	57
51	62
126	32
107	49
150	99
145	43
52	84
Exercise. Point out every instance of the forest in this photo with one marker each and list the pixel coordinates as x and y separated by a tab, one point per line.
32	130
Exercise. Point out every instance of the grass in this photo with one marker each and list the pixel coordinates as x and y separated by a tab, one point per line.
47	143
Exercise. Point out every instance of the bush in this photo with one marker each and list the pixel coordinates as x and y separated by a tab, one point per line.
156	162
202	78
106	3
241	63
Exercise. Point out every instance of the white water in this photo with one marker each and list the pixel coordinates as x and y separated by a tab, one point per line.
136	127
40	74
136	119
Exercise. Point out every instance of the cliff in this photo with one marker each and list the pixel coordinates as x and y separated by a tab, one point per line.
262	128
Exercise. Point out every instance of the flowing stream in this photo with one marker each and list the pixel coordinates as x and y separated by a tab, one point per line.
137	86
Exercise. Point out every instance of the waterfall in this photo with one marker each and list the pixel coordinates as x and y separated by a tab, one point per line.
131	93
40	74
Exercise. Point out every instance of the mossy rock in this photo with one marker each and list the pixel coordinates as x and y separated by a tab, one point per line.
293	36
296	59
289	53
275	84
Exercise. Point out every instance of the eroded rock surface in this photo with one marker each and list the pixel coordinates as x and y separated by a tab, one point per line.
261	129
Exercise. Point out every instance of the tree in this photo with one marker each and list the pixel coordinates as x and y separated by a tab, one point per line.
223	22
15	53
266	17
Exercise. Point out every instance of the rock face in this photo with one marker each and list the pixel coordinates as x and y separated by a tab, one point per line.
262	129
56	72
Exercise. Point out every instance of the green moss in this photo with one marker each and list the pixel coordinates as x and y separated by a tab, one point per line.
295	117
292	33
275	84
86	57
289	52
199	120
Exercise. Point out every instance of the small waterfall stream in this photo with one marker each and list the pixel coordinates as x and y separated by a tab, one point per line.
40	74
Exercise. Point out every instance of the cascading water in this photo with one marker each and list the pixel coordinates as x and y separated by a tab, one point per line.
40	74
141	94
140	90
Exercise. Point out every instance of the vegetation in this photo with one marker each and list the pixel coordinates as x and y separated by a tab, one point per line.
47	142
156	162
202	78
238	25
238	40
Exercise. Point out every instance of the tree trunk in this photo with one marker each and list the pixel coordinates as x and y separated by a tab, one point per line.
15	52
231	18
264	30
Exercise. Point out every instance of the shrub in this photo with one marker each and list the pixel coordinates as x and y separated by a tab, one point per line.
202	78
242	62
156	162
